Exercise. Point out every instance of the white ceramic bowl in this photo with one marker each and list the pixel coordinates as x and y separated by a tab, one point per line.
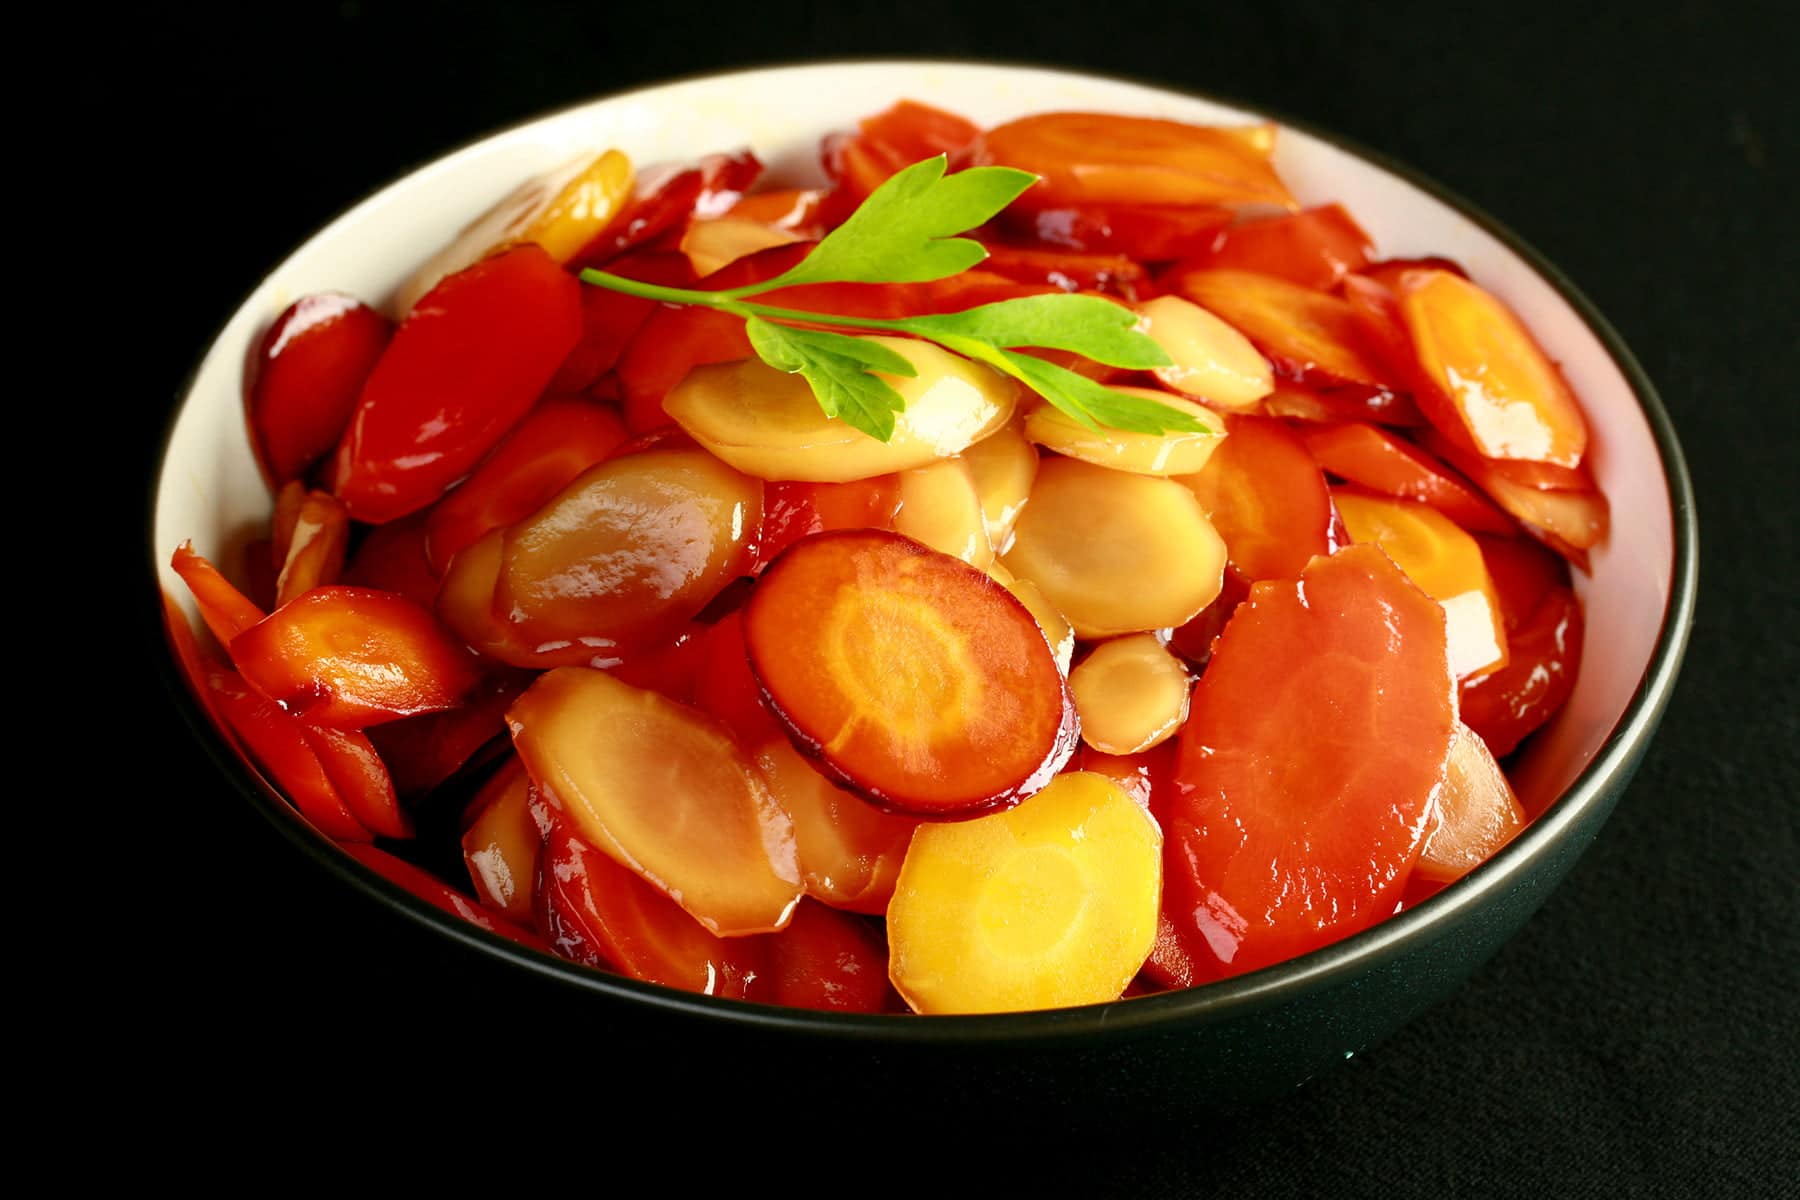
1639	597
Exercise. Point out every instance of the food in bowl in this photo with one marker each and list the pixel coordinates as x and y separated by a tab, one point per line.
1092	676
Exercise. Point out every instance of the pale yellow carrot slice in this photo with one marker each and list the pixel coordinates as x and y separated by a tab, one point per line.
769	424
1175	453
664	790
1115	552
1130	693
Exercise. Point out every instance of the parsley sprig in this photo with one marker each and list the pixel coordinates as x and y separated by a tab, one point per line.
906	232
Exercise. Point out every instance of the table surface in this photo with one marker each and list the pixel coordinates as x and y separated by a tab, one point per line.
1637	1037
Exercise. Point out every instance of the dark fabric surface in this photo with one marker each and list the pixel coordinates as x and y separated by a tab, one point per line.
1637	1038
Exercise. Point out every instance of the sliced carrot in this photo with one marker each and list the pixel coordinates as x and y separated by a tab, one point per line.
226	611
911	676
664	790
597	912
557	440
391	558
1312	338
1146	232
726	688
1571	522
940	508
849	850
609	319
348	658
1180	452
795	209
1442	559
277	743
422	752
1545	655
1524	574
793	509
1144	776
1364	454
1104	158
361	779
1511	399
1209	359
1477	812
666	199
500	846
1267	498
1047	905
1380	407
1003	465
1314	248
1067	270
1130	693
1116	552
314	556
1298	818
628	551
302	383
829	961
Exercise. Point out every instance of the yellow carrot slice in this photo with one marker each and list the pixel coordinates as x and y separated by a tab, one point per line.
1050	904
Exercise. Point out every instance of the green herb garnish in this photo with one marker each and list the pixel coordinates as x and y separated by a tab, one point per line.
905	232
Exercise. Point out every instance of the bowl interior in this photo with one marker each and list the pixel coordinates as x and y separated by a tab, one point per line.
211	492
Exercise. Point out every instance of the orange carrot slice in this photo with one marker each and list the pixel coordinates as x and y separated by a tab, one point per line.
911	676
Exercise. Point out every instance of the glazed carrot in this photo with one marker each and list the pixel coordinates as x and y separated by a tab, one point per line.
1299	817
349	658
1477	812
226	611
911	676
1267	498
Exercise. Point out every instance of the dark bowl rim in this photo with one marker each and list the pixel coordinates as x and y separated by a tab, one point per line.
1606	774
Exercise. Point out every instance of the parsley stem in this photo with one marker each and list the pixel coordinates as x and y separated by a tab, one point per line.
728	302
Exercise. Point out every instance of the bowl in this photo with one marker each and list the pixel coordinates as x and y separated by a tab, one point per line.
1223	1043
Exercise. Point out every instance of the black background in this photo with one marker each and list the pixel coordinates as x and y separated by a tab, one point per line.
1636	1038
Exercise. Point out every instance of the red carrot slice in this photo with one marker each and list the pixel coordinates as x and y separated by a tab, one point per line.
828	960
1314	249
1382	462
560	439
911	676
277	743
439	894
226	611
464	366
594	911
303	381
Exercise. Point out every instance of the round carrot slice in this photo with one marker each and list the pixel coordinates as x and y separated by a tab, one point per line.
911	676
1297	818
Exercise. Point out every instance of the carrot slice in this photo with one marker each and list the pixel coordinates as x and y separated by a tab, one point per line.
314	554
1311	337
349	657
1511	399
1130	693
849	850
1300	404
597	912
1545	650
1085	157
1146	232
226	611
1210	359
827	960
557	441
1571	522
1067	270
1477	812
725	687
911	676
1267	498
463	367
302	383
360	778
422	752
1175	453
629	550
277	743
1377	459
1314	249
793	509
500	847
664	790
1298	818
1116	552
1050	904
391	558
1442	559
